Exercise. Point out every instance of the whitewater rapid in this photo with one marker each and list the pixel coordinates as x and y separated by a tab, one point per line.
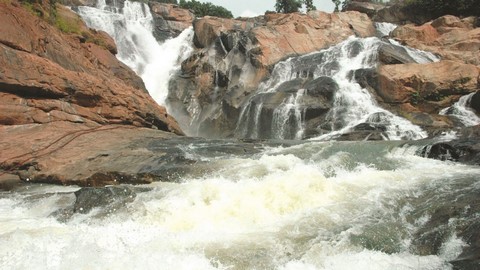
316	205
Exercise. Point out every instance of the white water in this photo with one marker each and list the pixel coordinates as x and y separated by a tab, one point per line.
303	207
384	29
462	111
353	104
131	27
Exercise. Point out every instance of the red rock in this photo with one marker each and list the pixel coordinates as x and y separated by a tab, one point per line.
46	76
448	36
416	83
284	35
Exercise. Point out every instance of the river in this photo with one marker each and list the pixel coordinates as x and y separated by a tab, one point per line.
253	204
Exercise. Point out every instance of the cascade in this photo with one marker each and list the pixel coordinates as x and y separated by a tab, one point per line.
461	111
293	83
131	27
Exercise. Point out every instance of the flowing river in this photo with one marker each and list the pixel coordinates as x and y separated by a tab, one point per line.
303	205
251	205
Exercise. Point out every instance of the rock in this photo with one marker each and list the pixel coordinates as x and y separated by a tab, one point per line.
234	56
448	36
392	12
107	199
9	181
465	149
71	154
371	9
170	20
421	83
475	102
48	76
389	54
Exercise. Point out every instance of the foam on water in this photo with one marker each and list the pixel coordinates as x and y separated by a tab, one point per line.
462	111
302	207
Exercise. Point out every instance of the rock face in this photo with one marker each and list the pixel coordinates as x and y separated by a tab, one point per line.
52	83
450	37
170	20
47	76
234	56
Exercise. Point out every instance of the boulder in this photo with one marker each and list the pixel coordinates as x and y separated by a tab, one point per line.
389	54
450	37
170	20
420	83
475	102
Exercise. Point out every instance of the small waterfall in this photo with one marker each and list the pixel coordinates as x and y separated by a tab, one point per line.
384	28
421	57
351	104
131	27
462	111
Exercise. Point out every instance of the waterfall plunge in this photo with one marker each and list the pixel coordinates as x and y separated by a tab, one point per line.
131	27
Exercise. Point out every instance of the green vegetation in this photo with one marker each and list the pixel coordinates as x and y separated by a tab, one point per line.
290	6
437	8
205	9
68	25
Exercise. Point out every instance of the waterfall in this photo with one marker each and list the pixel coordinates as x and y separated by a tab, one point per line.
461	111
131	27
352	105
384	28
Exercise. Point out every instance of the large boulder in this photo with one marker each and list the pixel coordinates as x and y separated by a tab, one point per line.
450	37
170	20
418	83
234	56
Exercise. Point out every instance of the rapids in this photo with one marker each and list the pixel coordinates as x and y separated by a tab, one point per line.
271	204
310	205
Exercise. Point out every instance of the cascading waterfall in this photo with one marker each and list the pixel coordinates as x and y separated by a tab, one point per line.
352	104
462	111
131	27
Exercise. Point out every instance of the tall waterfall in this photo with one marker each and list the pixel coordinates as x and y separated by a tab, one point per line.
352	104
131	27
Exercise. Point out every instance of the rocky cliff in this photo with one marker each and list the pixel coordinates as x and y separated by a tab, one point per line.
55	86
234	56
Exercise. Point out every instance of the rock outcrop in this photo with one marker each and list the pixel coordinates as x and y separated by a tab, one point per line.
234	56
450	37
54	83
170	20
392	12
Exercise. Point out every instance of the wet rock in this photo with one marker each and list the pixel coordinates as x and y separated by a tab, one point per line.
9	181
107	199
242	53
390	55
475	102
465	149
